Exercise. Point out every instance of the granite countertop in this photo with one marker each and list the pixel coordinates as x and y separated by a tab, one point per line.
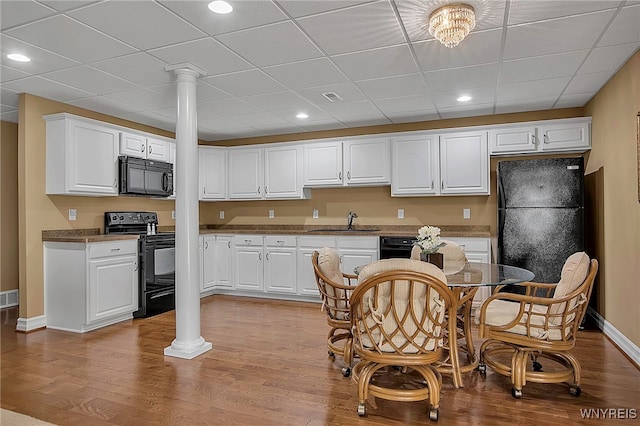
91	235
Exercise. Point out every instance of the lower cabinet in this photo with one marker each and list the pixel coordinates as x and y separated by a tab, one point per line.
247	262
217	262
280	265
90	285
357	251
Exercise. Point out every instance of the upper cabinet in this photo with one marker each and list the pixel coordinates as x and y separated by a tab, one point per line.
363	162
82	156
446	164
266	173
213	173
550	136
142	146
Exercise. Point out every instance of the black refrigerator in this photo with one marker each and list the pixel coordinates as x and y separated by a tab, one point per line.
540	214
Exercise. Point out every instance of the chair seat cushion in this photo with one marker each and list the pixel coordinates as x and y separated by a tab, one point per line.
502	312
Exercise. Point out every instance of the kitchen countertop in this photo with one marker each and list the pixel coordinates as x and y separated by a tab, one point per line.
91	235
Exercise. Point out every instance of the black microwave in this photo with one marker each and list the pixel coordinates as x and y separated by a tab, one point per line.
145	177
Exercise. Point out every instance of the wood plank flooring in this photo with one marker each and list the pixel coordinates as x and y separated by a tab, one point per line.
268	366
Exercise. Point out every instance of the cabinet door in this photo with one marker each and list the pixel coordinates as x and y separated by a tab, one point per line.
112	287
512	140
283	172
280	269
350	258
414	166
565	136
158	150
367	162
208	262
245	173
248	262
213	173
92	159
464	163
133	145
223	262
323	164
306	281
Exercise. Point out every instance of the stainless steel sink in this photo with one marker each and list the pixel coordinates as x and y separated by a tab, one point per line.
342	230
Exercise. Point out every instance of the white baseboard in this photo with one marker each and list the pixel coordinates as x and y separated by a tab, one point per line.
30	324
626	345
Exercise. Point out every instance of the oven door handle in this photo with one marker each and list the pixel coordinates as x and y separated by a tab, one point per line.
162	293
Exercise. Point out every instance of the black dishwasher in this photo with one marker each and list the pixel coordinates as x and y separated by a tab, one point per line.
396	247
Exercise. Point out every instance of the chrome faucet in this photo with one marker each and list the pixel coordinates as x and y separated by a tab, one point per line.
350	217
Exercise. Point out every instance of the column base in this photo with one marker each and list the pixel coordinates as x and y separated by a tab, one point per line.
187	351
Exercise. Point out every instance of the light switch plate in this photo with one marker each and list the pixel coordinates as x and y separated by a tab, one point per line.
272	214
466	213
400	213
315	213
173	214
73	214
221	214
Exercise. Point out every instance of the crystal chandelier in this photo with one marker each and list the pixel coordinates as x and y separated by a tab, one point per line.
450	24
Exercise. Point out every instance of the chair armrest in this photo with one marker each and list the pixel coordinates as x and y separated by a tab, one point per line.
531	288
350	277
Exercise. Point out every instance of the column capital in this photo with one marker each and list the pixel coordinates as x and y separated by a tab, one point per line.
186	68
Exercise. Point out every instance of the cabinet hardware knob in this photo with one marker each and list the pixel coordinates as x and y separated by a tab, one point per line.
546	138
533	139
150	149
115	249
259	256
206	245
442	185
142	148
247	241
281	242
340	175
229	244
349	175
258	190
115	183
267	255
135	266
266	190
433	184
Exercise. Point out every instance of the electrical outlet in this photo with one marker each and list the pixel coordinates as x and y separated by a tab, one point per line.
400	213
272	214
173	214
466	213
221	214
315	213
73	214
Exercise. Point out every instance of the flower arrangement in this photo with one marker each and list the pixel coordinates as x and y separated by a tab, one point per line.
428	239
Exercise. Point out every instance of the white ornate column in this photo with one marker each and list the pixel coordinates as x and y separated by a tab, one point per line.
188	342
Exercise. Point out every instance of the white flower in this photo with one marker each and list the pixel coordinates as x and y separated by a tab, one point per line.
428	239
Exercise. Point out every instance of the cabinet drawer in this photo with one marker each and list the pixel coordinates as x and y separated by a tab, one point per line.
280	240
112	248
358	242
316	242
248	240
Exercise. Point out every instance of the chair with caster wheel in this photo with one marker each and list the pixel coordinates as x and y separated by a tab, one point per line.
335	289
540	326
399	314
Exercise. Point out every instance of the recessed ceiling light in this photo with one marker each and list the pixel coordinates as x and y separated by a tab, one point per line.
464	98
18	57
220	6
302	115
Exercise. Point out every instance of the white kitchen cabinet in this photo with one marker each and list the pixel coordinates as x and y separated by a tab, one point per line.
248	262
245	173
306	280
415	165
464	163
82	156
357	251
143	146
280	264
359	162
217	262
90	285
213	173
563	135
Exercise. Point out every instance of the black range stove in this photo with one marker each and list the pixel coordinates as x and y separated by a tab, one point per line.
156	253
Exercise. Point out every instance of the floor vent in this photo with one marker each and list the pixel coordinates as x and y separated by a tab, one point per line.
8	298
332	97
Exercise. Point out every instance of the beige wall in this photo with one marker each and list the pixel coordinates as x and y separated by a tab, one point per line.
8	206
614	150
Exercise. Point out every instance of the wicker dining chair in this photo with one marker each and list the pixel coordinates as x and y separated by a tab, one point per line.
398	318
540	324
335	290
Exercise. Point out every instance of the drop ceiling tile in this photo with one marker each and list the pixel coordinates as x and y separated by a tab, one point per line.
522	11
9	97
14	13
139	68
206	92
64	5
8	74
532	89
7	108
271	44
478	48
407	104
41	60
315	114
350	30
367	121
312	73
280	129
344	111
298	8
448	99
588	83
319	126
228	108
574	100
470	111
413	116
625	27
90	80
46	88
348	92
555	36
150	119
542	67
393	87
246	14
608	58
208	54
383	62
525	105
246	83
278	101
104	105
142	24
171	112
67	37
260	119
143	99
221	124
9	116
463	78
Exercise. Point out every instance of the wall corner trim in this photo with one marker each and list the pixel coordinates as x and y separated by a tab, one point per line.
627	346
30	324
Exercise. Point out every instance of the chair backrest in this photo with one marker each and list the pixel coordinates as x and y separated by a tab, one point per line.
578	281
399	307
333	291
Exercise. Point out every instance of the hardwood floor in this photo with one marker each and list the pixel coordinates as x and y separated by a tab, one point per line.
268	366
